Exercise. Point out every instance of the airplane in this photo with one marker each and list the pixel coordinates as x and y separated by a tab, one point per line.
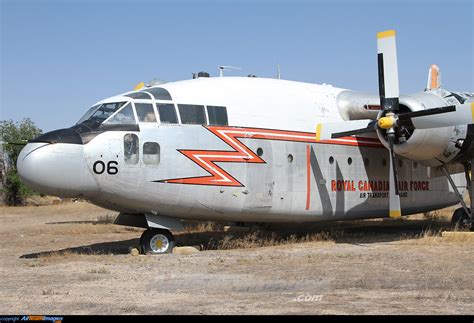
262	150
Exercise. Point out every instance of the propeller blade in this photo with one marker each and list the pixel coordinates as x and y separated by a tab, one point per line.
427	112
326	131
394	196
388	70
448	116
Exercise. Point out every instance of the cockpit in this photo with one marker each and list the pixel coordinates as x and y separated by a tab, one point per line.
152	105
148	105
125	112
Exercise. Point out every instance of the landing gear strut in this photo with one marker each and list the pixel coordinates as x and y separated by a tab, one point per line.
157	241
463	216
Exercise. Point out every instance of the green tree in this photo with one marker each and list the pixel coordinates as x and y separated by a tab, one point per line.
13	136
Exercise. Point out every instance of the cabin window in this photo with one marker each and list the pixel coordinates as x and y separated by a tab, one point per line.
151	153
139	95
159	93
217	115
130	148
145	112
123	116
192	114
167	113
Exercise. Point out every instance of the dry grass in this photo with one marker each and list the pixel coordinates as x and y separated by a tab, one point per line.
359	266
101	271
73	209
48	292
434	216
430	236
265	239
200	227
55	257
79	229
105	219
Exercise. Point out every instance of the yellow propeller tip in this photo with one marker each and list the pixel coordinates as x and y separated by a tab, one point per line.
387	33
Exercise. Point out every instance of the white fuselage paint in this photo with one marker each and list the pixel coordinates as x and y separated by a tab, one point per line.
273	191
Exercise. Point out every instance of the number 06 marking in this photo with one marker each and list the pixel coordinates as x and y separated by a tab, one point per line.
99	167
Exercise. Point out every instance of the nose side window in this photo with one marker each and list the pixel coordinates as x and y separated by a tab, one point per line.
131	149
151	153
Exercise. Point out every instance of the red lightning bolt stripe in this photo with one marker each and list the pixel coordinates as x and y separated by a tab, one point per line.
207	159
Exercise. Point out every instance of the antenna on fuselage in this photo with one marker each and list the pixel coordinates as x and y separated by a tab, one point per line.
226	68
278	72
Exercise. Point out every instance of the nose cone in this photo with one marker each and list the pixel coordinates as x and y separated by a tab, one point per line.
56	169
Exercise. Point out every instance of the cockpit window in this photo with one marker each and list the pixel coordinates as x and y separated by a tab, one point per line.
102	112
123	116
167	113
145	112
88	113
139	95
159	93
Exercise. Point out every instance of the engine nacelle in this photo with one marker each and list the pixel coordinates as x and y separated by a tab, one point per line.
430	147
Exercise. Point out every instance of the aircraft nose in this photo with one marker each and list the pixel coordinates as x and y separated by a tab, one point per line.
56	169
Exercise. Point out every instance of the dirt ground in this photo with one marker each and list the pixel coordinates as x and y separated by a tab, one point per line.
68	259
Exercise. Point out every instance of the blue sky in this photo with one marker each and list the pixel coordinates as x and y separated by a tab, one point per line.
60	57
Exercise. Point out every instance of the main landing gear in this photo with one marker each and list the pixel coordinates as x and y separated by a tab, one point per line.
464	216
461	218
157	241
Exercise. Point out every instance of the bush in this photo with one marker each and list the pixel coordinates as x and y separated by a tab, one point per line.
14	135
15	191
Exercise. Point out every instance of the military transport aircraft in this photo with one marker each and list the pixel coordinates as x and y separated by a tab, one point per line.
258	150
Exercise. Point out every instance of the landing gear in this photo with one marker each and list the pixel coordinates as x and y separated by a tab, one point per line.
464	216
460	218
157	241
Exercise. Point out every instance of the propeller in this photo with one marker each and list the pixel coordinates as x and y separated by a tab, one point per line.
389	102
390	122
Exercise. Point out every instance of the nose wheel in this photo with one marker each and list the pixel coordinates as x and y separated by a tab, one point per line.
157	241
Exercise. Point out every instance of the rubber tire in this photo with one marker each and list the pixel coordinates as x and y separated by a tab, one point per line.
148	234
459	216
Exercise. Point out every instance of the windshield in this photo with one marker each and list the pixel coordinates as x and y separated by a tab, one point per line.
99	113
124	116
